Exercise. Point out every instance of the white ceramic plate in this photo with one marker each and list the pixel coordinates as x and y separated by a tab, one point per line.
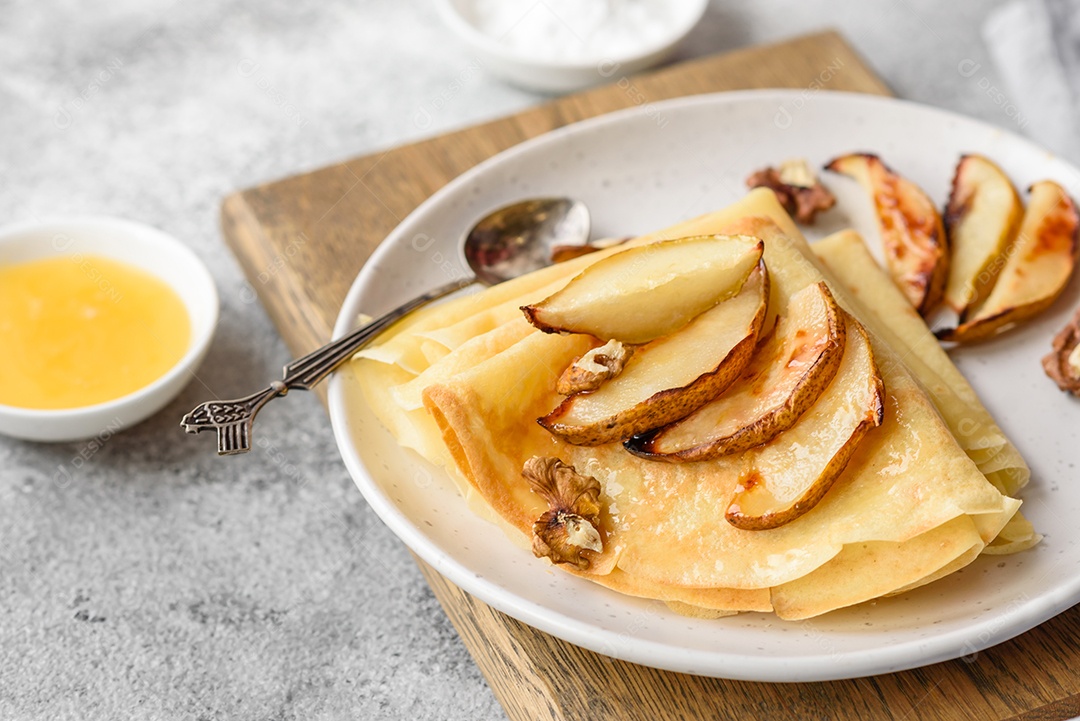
645	169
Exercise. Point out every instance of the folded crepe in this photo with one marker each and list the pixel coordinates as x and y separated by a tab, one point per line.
849	263
463	383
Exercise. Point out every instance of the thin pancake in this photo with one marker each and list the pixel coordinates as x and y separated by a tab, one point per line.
907	478
872	569
507	392
665	523
870	290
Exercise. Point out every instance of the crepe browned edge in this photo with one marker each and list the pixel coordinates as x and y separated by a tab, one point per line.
669	597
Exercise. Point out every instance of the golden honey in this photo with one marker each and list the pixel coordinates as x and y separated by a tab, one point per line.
82	329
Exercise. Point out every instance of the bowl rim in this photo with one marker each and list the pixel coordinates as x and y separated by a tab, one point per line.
457	22
197	346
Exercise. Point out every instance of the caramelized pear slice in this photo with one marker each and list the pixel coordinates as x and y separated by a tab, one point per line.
672	376
650	291
1037	268
787	374
789	476
913	236
981	219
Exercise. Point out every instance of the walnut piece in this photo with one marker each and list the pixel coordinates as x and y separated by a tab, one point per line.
589	372
797	189
561	253
569	531
1063	364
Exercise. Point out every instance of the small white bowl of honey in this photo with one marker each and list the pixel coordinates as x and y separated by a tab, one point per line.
102	322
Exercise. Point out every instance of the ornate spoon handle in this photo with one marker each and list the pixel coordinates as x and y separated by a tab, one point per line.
232	420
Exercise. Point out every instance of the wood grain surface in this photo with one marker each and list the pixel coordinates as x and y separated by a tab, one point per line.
301	242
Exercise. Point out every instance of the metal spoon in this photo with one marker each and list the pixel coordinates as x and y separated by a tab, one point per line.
504	244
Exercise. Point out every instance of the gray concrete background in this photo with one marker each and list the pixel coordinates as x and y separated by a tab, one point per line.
163	582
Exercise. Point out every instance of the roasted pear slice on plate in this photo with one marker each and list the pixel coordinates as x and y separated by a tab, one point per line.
1037	268
787	374
912	233
981	218
650	291
786	478
671	377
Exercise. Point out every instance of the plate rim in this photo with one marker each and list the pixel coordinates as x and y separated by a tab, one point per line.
914	653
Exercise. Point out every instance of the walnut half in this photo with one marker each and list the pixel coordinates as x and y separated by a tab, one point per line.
589	372
797	189
569	531
1063	364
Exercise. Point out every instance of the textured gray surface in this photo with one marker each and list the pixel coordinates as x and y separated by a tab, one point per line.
163	582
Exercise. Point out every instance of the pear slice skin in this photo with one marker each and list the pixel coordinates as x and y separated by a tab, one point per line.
786	478
790	370
1038	266
671	377
650	291
912	232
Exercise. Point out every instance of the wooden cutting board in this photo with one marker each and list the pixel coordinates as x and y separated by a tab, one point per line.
301	242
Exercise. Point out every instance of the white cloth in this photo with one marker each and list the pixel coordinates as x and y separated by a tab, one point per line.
1035	45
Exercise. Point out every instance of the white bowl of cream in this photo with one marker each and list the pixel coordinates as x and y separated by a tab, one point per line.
103	321
563	45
